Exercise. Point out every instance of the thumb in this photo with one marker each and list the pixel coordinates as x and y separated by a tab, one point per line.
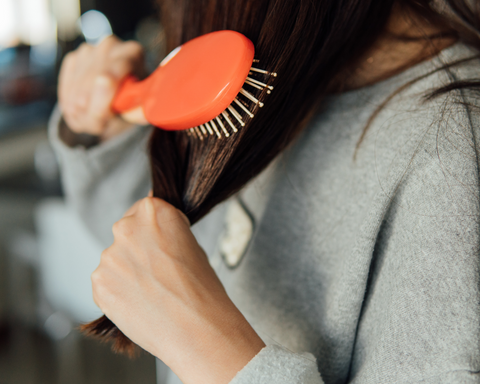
103	92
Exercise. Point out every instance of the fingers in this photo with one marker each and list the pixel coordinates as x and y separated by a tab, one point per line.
88	81
103	92
167	216
124	227
128	57
156	211
65	78
132	210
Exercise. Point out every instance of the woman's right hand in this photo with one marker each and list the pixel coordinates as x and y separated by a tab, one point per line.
89	79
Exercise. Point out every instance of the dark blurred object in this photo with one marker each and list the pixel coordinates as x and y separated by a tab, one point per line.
23	90
123	15
151	35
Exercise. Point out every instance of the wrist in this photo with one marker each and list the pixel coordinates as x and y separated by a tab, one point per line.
73	139
218	352
115	127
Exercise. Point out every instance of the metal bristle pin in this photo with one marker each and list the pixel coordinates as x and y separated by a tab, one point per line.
231	120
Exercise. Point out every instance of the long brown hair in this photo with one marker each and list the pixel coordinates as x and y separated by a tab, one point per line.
308	43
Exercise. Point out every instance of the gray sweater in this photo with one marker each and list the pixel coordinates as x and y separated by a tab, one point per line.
353	266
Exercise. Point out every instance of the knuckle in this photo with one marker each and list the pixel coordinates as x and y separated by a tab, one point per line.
167	208
134	47
184	217
149	202
171	212
98	287
105	79
108	45
149	208
105	257
166	211
112	39
84	48
159	204
121	67
122	228
96	278
69	59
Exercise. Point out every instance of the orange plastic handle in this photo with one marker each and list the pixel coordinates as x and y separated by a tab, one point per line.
193	85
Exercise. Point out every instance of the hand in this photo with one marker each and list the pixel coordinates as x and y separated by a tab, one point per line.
89	78
156	284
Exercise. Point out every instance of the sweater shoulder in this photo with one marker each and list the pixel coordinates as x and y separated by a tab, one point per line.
432	127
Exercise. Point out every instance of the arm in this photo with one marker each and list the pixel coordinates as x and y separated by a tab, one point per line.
103	181
103	158
420	317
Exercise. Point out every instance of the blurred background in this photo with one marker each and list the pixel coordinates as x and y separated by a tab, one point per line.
46	254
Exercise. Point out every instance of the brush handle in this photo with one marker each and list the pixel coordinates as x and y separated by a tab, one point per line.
130	94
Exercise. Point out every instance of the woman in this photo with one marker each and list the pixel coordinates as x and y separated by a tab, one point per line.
356	259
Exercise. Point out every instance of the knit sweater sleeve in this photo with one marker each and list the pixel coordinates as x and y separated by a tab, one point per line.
103	181
276	365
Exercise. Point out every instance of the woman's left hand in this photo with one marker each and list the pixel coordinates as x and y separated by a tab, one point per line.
156	284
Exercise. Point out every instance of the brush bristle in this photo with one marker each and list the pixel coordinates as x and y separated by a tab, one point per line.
240	111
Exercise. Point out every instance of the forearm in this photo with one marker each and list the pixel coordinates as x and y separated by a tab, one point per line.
102	181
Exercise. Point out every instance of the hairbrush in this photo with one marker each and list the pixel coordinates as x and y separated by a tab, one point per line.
206	87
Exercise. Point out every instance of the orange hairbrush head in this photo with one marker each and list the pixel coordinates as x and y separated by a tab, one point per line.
196	86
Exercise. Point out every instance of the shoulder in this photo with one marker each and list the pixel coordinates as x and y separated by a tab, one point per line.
425	156
431	141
